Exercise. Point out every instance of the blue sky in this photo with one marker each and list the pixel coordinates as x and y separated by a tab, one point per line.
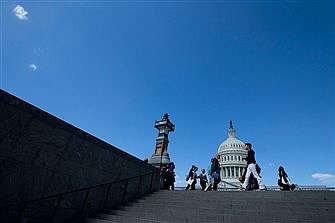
112	68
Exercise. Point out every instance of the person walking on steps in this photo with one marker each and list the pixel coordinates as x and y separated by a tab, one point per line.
251	168
203	179
215	171
169	177
191	178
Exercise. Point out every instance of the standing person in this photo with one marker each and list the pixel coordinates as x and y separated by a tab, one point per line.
210	179
251	168
170	176
192	178
203	179
283	181
215	168
164	183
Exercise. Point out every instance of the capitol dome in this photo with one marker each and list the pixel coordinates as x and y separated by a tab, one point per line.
232	142
231	151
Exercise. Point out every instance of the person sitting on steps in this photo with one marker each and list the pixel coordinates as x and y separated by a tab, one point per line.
283	181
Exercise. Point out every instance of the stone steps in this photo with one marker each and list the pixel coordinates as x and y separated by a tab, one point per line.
237	206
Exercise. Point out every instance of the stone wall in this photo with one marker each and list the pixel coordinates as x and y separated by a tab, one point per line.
42	155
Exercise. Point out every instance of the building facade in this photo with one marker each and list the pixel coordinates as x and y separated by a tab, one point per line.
232	151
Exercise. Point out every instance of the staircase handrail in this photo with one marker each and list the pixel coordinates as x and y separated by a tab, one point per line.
61	195
74	191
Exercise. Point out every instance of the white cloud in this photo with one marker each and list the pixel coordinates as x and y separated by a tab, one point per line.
33	67
20	12
324	178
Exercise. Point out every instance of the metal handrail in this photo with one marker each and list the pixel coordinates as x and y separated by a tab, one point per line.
88	189
73	191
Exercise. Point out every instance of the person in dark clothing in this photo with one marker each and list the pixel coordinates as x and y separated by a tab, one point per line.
251	169
192	178
215	168
203	179
164	183
170	176
283	181
253	184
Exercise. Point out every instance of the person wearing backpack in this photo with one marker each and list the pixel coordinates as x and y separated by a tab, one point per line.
210	179
215	171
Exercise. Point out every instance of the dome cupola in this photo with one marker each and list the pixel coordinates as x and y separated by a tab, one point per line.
231	142
231	130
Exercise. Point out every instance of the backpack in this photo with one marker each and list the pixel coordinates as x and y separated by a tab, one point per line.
216	176
209	169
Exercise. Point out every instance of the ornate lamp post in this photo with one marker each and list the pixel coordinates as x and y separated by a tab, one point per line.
160	157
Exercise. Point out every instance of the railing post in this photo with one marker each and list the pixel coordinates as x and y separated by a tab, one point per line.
139	186
124	191
55	211
82	208
107	195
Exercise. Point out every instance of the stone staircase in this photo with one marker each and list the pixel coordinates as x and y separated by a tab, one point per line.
226	206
